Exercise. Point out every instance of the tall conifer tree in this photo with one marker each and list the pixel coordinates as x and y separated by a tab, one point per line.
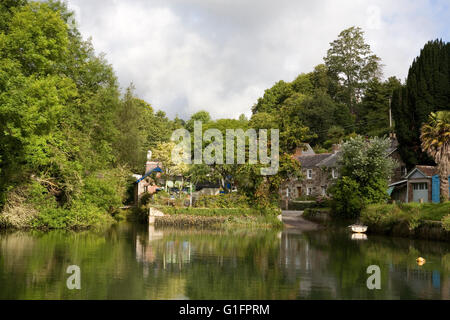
427	90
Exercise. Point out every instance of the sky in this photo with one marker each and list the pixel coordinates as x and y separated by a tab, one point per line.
184	56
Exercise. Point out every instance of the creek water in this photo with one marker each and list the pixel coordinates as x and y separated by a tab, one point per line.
131	261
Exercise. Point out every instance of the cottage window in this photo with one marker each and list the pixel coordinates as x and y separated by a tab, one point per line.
308	191
420	186
334	173
404	170
324	191
309	174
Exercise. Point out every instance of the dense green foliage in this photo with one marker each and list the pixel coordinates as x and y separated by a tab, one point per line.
427	90
220	217
64	128
384	217
69	138
230	200
364	175
352	64
337	99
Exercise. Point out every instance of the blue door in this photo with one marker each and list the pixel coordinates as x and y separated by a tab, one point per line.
435	184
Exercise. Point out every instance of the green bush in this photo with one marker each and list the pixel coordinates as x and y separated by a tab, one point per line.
314	212
104	190
80	216
387	216
347	199
230	200
306	198
435	211
95	204
383	216
319	202
219	211
446	222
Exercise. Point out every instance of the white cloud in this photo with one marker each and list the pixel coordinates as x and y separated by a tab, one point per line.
220	55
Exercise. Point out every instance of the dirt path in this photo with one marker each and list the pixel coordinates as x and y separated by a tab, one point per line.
294	219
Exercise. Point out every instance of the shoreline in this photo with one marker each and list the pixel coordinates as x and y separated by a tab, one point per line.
396	228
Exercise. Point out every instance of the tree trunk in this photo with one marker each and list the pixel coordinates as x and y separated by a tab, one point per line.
444	171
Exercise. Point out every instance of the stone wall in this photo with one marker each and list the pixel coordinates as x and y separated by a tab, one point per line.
321	177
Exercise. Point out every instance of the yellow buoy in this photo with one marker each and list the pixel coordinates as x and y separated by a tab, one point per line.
421	261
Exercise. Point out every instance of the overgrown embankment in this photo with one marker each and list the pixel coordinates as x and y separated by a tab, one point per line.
221	211
95	204
426	221
219	217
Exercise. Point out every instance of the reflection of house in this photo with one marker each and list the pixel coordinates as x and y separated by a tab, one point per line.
420	184
177	252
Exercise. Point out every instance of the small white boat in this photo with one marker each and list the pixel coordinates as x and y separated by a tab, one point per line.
358	228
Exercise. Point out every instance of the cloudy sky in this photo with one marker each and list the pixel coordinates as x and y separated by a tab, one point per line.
220	55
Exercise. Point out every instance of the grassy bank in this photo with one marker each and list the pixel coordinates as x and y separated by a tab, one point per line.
220	211
219	217
431	221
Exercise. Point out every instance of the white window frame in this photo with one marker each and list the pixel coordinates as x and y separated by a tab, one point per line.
324	190
309	174
309	191
333	173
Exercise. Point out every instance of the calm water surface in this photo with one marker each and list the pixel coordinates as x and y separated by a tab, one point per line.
136	262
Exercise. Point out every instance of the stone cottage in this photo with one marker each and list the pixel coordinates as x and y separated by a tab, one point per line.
319	172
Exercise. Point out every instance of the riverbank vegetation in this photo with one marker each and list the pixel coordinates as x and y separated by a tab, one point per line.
220	211
218	219
421	220
70	137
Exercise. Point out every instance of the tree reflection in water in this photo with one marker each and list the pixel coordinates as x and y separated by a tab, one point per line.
136	262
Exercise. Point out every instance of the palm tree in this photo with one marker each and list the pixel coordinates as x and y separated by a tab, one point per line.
435	137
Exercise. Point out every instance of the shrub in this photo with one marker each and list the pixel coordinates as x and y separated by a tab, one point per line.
386	216
446	222
230	200
34	206
104	190
383	216
310	213
220	211
79	216
347	199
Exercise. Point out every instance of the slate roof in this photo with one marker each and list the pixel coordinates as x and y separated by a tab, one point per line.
428	170
330	161
310	161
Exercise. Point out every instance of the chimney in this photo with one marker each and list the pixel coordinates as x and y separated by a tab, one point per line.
150	165
298	152
335	148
